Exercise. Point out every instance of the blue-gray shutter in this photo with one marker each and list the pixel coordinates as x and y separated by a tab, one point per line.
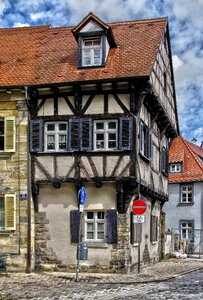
85	134
103	43
73	136
149	139
141	136
36	135
125	133
74	225
111	226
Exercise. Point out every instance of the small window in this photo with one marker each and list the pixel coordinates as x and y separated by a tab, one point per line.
95	226
106	135
7	134
164	160
145	141
186	194
56	136
7	212
165	83
175	168
154	228
91	51
187	230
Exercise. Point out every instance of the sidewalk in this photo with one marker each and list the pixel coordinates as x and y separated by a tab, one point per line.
160	271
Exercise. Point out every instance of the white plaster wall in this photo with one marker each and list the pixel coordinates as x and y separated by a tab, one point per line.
47	109
63	108
96	106
57	203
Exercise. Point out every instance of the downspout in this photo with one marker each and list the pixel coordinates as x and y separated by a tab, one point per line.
29	258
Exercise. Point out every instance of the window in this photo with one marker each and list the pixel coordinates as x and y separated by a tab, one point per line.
187	230
95	226
91	51
76	135
7	212
55	136
154	228
7	134
164	160
186	194
165	83
145	141
106	135
175	168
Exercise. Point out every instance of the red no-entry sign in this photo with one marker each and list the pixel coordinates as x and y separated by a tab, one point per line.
139	207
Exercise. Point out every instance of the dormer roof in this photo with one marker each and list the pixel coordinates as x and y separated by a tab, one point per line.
192	158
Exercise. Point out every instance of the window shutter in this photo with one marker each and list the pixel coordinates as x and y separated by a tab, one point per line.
74	134
10	212
125	133
10	134
74	225
36	135
149	140
112	226
132	229
86	134
103	41
142	138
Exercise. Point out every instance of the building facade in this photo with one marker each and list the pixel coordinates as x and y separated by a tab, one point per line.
102	109
186	194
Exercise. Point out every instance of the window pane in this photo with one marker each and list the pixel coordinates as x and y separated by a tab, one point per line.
184	234
100	235
96	42
50	142
190	188
184	188
90	235
50	127
112	136
62	127
90	215
88	43
111	145
183	224
62	142
99	125
1	127
1	142
100	227
90	227
100	215
112	125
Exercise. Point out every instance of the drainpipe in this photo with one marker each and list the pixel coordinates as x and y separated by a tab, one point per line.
28	270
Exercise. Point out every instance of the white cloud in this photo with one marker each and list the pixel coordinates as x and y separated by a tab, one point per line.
4	4
17	24
177	62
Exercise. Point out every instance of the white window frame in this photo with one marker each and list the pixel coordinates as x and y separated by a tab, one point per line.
175	168
188	191
188	230
8	212
106	131
91	49
95	221
9	135
56	134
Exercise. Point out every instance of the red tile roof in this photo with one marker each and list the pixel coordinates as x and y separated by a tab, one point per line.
192	158
43	55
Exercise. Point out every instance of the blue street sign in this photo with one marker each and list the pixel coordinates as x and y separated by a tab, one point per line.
82	196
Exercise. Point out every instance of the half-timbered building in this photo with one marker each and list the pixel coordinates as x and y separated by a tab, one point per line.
102	111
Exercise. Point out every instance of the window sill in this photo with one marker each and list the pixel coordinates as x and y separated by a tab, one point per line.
5	154
185	203
97	245
4	233
91	67
146	159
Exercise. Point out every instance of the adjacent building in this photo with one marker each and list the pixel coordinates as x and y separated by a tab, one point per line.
102	111
184	211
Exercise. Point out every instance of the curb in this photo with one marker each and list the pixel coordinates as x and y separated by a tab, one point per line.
141	281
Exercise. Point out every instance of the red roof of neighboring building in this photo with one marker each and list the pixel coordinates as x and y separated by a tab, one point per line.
44	55
192	158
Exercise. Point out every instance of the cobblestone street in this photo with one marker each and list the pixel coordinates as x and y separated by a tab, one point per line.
166	280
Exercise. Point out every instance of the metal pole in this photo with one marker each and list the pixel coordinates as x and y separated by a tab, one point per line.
78	249
139	238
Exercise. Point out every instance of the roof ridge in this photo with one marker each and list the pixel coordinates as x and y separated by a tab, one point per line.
155	20
192	152
48	26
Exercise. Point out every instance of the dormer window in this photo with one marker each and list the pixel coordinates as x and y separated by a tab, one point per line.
94	38
175	168
91	51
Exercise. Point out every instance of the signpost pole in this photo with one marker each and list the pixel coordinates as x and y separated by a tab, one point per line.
139	239
81	201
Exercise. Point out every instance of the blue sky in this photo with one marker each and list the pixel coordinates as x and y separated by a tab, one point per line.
186	30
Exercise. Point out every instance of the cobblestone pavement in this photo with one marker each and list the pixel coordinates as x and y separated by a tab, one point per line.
165	280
